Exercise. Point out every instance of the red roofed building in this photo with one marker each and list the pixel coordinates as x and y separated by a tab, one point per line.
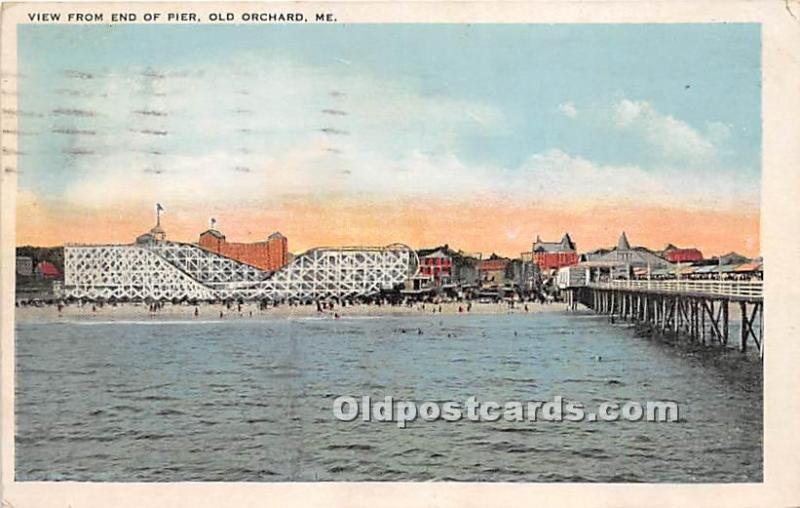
47	270
437	265
269	255
677	255
554	255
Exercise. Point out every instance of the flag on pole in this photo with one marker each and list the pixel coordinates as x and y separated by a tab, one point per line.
159	209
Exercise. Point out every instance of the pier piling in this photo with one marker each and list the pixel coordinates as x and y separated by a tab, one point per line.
697	310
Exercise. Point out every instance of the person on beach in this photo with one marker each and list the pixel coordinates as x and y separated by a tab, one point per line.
196	312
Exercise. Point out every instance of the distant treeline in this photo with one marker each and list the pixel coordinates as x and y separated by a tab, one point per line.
53	254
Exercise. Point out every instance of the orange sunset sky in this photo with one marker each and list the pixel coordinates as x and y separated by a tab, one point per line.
497	227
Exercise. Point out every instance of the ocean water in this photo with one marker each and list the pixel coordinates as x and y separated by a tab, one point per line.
252	401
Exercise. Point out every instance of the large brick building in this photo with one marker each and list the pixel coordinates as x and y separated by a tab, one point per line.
269	255
554	255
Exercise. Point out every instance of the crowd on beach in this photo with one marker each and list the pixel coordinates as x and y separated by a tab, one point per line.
233	309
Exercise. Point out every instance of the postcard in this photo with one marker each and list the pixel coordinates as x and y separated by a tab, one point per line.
435	254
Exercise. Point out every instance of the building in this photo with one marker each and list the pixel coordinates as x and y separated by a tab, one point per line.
442	268
553	255
496	275
437	266
24	266
675	254
732	258
573	276
524	274
501	276
47	270
466	271
269	255
492	271
623	261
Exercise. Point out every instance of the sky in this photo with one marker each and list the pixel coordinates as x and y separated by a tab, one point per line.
479	136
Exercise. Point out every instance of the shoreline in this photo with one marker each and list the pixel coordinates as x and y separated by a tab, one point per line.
251	311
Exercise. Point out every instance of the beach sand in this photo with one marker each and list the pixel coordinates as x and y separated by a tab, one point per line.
128	311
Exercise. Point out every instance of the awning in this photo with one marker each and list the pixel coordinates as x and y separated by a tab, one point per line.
706	269
600	264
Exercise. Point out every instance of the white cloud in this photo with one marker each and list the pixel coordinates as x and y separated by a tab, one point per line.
549	176
286	130
568	109
563	177
718	132
673	138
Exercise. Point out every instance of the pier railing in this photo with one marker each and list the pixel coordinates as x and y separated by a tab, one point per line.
750	288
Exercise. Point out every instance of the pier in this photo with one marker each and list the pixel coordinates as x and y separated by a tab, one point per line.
698	309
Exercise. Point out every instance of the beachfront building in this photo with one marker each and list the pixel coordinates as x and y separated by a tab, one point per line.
466	273
269	255
713	271
525	275
494	276
675	254
448	266
623	261
437	266
24	266
442	269
502	276
573	276
553	255
492	271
